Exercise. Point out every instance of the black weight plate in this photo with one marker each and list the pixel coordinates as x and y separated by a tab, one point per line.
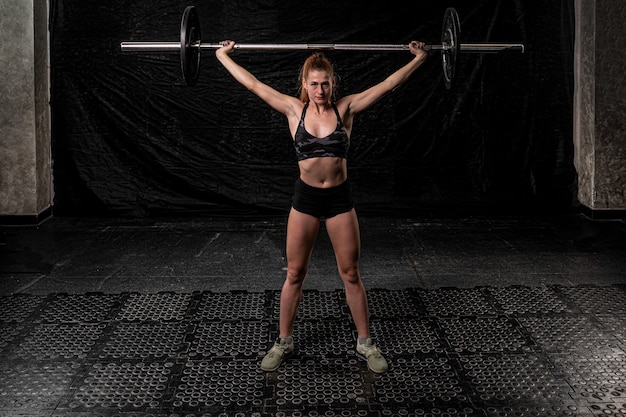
189	36
450	34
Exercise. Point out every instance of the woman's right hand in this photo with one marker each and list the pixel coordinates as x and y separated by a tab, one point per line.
227	48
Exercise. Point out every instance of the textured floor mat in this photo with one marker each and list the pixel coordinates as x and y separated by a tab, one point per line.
513	351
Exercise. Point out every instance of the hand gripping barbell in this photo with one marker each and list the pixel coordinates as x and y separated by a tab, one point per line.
190	46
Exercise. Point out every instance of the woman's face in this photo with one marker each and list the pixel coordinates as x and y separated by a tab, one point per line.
318	86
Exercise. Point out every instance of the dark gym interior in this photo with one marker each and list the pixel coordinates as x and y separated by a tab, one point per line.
151	285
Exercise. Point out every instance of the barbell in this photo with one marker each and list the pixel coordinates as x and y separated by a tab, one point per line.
190	46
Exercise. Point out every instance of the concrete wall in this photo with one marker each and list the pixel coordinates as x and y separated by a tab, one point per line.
25	152
600	104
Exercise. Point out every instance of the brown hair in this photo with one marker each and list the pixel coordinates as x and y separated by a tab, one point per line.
316	62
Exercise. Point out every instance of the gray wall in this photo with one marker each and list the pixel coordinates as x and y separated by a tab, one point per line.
25	154
600	103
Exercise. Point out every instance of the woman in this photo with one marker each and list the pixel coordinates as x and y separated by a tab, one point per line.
321	129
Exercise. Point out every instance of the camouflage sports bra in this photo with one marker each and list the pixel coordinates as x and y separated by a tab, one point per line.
308	146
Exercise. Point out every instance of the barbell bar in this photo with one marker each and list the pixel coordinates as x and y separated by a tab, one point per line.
175	46
190	46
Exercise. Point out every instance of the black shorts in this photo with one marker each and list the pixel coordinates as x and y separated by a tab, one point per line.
322	202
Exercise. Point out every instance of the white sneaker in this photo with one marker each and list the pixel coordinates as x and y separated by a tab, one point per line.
274	357
376	362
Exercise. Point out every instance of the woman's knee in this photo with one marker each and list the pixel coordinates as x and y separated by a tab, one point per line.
296	274
350	275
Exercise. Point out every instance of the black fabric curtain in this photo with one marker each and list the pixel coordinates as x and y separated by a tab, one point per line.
130	138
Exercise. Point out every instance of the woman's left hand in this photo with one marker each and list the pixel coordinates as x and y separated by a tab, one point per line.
417	48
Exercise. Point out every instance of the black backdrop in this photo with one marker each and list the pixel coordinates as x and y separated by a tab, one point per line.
131	139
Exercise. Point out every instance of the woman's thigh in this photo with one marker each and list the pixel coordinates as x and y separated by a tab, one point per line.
343	230
302	232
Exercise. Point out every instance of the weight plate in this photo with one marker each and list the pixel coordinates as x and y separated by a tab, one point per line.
450	34
189	40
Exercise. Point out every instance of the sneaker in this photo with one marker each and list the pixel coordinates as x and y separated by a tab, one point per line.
275	355
375	360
